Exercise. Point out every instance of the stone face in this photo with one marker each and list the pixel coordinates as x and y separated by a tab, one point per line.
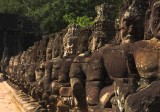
103	28
88	70
70	40
131	20
83	39
79	68
152	21
118	61
104	12
146	54
57	49
42	48
49	47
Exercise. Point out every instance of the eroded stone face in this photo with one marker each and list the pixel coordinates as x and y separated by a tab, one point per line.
103	28
147	65
155	20
132	23
49	47
57	45
103	12
70	40
96	43
83	40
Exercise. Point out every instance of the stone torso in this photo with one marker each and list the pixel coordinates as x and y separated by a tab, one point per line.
146	56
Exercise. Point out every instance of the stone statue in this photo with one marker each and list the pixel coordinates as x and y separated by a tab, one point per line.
86	71
104	12
70	40
57	50
103	27
49	47
98	38
151	29
146	54
132	21
115	61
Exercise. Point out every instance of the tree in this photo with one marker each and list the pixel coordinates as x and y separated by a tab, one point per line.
54	15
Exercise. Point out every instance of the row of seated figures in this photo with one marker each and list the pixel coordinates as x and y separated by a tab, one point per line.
96	69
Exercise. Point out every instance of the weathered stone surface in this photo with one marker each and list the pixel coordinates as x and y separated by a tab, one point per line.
70	40
103	28
98	38
83	39
147	99
49	47
104	12
131	20
122	88
57	50
90	71
110	61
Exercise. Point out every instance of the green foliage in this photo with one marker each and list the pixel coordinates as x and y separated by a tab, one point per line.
9	6
83	21
69	18
53	15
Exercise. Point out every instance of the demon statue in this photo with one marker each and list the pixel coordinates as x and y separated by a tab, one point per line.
112	62
98	38
146	54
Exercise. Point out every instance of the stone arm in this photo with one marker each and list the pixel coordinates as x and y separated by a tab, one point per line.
95	78
63	76
78	80
47	76
76	76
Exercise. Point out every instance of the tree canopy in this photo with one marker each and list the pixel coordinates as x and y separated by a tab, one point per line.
54	15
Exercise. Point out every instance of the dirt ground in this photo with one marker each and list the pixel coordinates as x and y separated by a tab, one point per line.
7	102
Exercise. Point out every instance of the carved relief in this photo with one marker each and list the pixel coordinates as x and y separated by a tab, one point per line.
70	40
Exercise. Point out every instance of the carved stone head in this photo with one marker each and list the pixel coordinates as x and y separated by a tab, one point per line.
57	45
70	40
83	39
104	12
153	20
103	28
49	47
131	20
41	51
